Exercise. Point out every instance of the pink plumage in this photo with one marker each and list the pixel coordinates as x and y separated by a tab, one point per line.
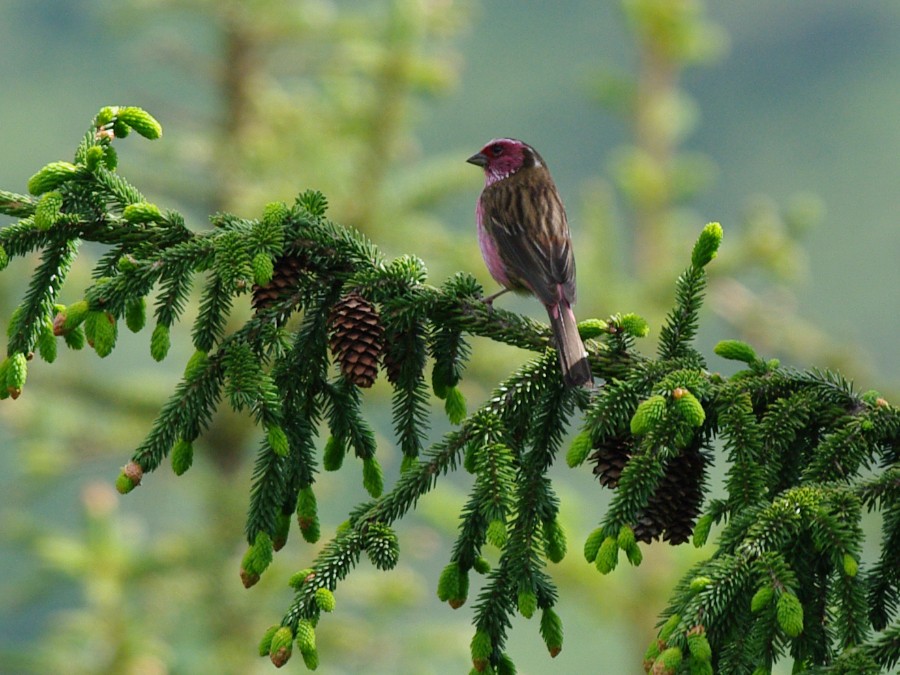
524	238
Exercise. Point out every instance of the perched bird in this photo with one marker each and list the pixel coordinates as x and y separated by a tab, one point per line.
525	242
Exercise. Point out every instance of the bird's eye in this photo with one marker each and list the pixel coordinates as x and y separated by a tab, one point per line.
496	149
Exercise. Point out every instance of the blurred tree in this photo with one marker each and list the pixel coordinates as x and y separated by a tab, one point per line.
657	181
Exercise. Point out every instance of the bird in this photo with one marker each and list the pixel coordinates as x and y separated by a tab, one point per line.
524	238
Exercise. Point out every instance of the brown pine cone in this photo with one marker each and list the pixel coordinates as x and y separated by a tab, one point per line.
357	338
285	279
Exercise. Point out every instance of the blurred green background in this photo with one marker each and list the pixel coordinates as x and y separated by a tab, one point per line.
777	119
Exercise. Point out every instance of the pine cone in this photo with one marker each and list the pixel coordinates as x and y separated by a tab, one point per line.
610	458
357	338
285	279
672	510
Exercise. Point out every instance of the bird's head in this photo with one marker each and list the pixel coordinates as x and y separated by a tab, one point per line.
502	157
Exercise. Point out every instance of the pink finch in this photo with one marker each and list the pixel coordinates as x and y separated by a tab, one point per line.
525	242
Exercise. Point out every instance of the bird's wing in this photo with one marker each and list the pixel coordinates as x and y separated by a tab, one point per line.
532	235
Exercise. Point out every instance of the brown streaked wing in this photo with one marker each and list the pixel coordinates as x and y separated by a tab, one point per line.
527	219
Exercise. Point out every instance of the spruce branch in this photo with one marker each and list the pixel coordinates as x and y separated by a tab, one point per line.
804	453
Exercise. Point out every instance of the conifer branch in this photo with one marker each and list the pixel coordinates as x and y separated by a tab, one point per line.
805	453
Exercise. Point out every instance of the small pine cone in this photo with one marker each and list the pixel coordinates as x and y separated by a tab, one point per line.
610	458
285	279
673	509
357	338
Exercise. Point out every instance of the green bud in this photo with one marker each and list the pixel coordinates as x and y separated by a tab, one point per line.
300	577
106	115
46	343
634	555
689	408
256	559
481	565
699	583
669	627
142	212
325	599
871	397
851	567
275	213
554	541
592	544
310	659
505	665
281	646
141	121
74	338
701	530
196	364
626	539
75	314
382	546
110	158
592	328
263	269
307	506
124	484
735	350
93	157
160	342
4	258
311	530
373	479
306	634
182	456
652	652
47	211
707	245
578	451
120	129
496	533
607	556
448	583
51	176
789	613
278	440
136	314
282	530
333	456
699	648
455	405
761	599
481	649
551	631
648	413
266	640
670	659
101	330
634	325
526	602
14	322
16	373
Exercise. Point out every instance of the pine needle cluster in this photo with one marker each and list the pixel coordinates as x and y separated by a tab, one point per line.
806	455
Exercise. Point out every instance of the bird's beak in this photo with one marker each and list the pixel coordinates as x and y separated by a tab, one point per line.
478	159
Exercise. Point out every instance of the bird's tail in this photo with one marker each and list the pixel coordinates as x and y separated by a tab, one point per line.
576	370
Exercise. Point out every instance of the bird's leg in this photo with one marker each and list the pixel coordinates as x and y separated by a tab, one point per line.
489	300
